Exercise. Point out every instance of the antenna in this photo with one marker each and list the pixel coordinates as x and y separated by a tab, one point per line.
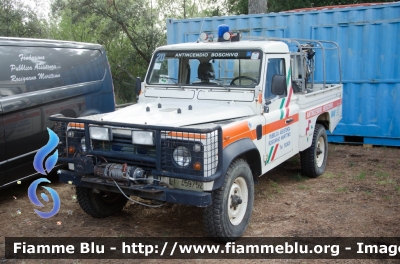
201	29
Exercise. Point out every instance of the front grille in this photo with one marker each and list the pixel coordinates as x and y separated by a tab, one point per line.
70	137
123	144
201	144
205	155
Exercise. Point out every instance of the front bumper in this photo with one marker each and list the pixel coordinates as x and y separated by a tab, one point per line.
147	191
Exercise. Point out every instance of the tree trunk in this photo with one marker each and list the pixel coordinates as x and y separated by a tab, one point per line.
257	6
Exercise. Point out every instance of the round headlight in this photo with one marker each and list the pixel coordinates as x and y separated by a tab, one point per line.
182	156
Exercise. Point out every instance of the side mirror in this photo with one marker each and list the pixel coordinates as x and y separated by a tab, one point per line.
278	84
138	86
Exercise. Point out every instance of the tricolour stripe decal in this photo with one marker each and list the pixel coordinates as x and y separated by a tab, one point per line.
276	148
288	101
270	152
281	108
289	84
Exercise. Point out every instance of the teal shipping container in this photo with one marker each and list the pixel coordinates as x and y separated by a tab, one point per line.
369	40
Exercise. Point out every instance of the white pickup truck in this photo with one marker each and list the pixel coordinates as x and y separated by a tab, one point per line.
212	116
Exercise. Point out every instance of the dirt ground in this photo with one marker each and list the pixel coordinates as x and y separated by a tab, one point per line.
357	196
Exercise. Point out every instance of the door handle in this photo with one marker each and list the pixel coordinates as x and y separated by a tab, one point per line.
288	121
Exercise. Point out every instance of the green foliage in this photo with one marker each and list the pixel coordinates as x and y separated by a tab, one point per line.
298	177
237	7
275	186
182	9
361	176
381	174
19	20
341	189
328	175
128	29
135	19
304	187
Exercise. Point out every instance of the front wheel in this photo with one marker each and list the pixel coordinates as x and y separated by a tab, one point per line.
229	215
99	204
313	159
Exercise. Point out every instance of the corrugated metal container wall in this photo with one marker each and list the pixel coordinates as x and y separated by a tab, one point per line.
369	39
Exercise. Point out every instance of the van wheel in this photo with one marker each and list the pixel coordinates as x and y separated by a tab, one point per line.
101	204
313	159
228	216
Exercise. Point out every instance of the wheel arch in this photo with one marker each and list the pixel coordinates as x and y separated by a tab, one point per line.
324	119
245	149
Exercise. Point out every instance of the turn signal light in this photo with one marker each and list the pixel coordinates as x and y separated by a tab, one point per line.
197	166
71	149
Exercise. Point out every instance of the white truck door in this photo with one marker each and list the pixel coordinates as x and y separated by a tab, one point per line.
282	116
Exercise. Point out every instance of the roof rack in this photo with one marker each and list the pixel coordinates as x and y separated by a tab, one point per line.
298	42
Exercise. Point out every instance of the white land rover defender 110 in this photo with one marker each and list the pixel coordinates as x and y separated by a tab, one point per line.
212	116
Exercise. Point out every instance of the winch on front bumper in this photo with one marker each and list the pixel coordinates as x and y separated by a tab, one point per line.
177	165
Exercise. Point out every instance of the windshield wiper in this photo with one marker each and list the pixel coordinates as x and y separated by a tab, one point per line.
222	84
175	81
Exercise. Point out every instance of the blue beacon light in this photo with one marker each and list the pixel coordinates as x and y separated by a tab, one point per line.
222	29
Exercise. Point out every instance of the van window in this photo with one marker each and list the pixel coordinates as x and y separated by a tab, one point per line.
28	69
40	78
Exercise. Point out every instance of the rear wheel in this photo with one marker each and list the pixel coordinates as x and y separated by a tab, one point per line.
229	215
99	204
313	159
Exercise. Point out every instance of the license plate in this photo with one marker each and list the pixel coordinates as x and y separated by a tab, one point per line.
186	184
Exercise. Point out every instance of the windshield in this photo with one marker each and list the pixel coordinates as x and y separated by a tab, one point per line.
239	68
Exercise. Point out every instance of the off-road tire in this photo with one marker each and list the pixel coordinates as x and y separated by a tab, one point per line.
312	163
99	205
219	218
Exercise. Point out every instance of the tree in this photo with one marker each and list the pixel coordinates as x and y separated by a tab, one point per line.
182	9
128	29
135	18
237	7
257	6
19	20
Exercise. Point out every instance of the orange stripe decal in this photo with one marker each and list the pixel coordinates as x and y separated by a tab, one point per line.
239	131
187	135
76	125
242	130
279	124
